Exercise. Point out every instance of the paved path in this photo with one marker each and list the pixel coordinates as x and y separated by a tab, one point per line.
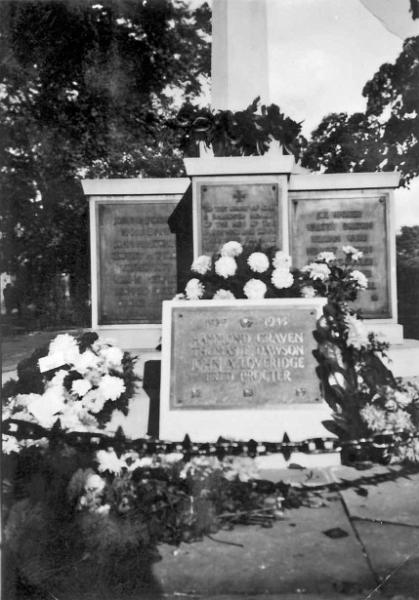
360	539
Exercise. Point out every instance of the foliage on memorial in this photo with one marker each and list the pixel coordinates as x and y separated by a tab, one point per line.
246	132
356	383
86	89
75	383
385	137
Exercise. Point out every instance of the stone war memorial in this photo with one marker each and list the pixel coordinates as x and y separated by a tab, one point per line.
245	368
241	419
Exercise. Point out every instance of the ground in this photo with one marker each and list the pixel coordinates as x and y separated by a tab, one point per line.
358	540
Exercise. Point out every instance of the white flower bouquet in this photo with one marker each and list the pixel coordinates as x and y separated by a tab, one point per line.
76	381
237	271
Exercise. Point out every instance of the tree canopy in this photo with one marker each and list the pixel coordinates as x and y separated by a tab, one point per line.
94	90
386	136
83	90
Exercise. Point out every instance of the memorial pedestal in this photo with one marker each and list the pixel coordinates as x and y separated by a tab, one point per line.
240	369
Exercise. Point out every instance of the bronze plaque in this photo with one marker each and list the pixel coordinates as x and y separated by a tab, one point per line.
244	213
327	224
137	261
238	357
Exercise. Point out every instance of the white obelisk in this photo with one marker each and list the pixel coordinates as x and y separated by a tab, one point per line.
240	61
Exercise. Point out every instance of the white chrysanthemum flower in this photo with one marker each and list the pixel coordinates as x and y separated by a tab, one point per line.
23	401
355	254
255	289
308	291
103	509
225	266
86	361
81	387
374	417
399	420
223	295
9	444
94	401
402	399
357	333
317	271
281	260
111	387
391	404
94	483
201	264
258	262
171	458
66	345
231	249
327	257
46	408
282	278
108	461
113	357
70	418
194	289
241	468
78	418
58	379
360	279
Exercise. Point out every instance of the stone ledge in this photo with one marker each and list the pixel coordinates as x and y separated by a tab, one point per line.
404	359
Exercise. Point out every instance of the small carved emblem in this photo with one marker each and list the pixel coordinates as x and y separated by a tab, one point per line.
239	196
196	393
248	393
301	391
245	322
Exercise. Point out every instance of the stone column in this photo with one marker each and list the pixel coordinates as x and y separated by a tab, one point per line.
240	70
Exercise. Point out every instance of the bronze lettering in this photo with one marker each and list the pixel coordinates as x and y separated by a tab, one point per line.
275	350
137	261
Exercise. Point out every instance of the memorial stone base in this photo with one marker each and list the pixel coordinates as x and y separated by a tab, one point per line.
240	369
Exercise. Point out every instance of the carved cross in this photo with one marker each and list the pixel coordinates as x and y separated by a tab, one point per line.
239	196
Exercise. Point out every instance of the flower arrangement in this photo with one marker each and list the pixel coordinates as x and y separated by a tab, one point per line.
238	271
101	512
365	396
79	382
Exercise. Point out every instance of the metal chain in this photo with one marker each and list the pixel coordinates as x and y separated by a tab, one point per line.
222	447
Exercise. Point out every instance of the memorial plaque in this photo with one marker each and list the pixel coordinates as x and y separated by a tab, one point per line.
327	224
239	357
242	212
137	261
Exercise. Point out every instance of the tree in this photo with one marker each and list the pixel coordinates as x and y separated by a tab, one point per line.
343	144
84	87
385	137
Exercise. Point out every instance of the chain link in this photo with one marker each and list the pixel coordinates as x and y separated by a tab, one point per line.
147	446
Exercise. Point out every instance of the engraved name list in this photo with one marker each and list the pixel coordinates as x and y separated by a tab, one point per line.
241	358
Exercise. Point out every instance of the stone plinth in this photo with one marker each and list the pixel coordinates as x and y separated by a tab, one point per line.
240	369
